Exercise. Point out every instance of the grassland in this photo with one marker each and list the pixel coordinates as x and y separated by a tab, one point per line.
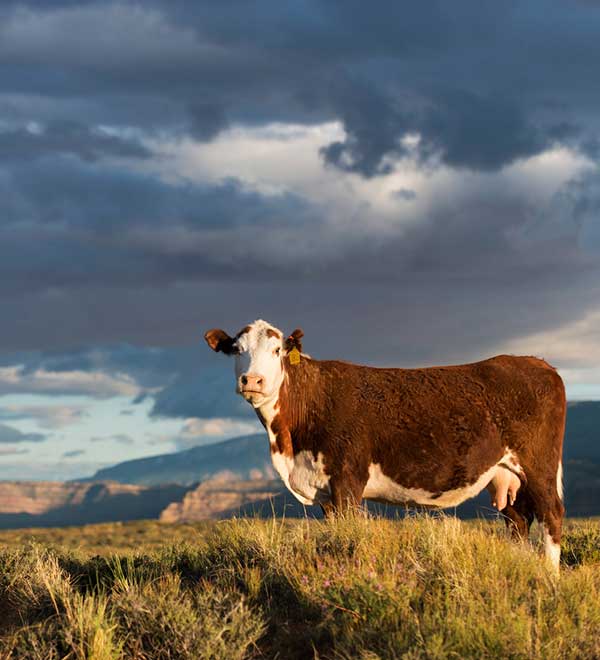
417	588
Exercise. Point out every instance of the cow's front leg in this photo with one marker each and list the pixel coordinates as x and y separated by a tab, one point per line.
346	493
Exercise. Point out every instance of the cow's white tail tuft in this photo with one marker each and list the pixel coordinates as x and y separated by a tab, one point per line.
559	480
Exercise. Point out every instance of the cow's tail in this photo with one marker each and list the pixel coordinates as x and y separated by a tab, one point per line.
559	481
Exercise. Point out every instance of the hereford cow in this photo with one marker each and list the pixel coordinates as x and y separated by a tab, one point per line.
341	432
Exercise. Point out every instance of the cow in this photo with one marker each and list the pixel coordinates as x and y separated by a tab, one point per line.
435	437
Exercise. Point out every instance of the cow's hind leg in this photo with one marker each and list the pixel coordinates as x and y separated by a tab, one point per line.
552	520
549	511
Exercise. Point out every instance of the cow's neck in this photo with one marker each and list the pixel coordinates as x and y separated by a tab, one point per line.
290	414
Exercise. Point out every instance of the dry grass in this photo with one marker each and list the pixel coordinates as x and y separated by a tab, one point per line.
108	538
418	588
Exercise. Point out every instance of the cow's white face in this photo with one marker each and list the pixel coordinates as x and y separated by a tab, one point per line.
258	350
258	363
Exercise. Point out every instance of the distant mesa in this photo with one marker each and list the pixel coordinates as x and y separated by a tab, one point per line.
217	498
55	504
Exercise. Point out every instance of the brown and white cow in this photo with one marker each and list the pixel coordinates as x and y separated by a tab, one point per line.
340	432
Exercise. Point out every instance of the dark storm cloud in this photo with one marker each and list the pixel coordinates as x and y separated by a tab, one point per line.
66	137
207	120
483	83
459	128
405	194
66	224
9	435
107	283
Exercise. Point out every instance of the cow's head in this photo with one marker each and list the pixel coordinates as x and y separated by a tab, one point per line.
259	349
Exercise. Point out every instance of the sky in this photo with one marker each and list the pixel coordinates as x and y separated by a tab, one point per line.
411	184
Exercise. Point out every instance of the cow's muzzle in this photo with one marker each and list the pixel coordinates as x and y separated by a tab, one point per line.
250	385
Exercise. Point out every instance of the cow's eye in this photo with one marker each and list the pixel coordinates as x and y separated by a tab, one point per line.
277	351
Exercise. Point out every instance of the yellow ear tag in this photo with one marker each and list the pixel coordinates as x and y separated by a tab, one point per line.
294	356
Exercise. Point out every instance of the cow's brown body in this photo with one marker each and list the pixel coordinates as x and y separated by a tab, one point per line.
341	432
436	429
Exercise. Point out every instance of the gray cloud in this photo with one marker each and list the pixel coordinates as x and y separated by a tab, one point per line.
50	417
121	438
17	379
475	80
488	245
405	194
207	120
73	453
12	451
459	128
107	226
9	434
66	137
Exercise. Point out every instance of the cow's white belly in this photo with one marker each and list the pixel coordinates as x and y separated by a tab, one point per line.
381	487
304	476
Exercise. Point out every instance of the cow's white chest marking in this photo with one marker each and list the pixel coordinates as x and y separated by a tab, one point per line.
304	476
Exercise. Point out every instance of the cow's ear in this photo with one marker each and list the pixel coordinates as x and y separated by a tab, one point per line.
219	340
294	340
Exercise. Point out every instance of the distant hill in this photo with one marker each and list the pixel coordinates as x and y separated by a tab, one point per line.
244	458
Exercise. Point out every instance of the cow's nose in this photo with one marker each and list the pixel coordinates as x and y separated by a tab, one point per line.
252	382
